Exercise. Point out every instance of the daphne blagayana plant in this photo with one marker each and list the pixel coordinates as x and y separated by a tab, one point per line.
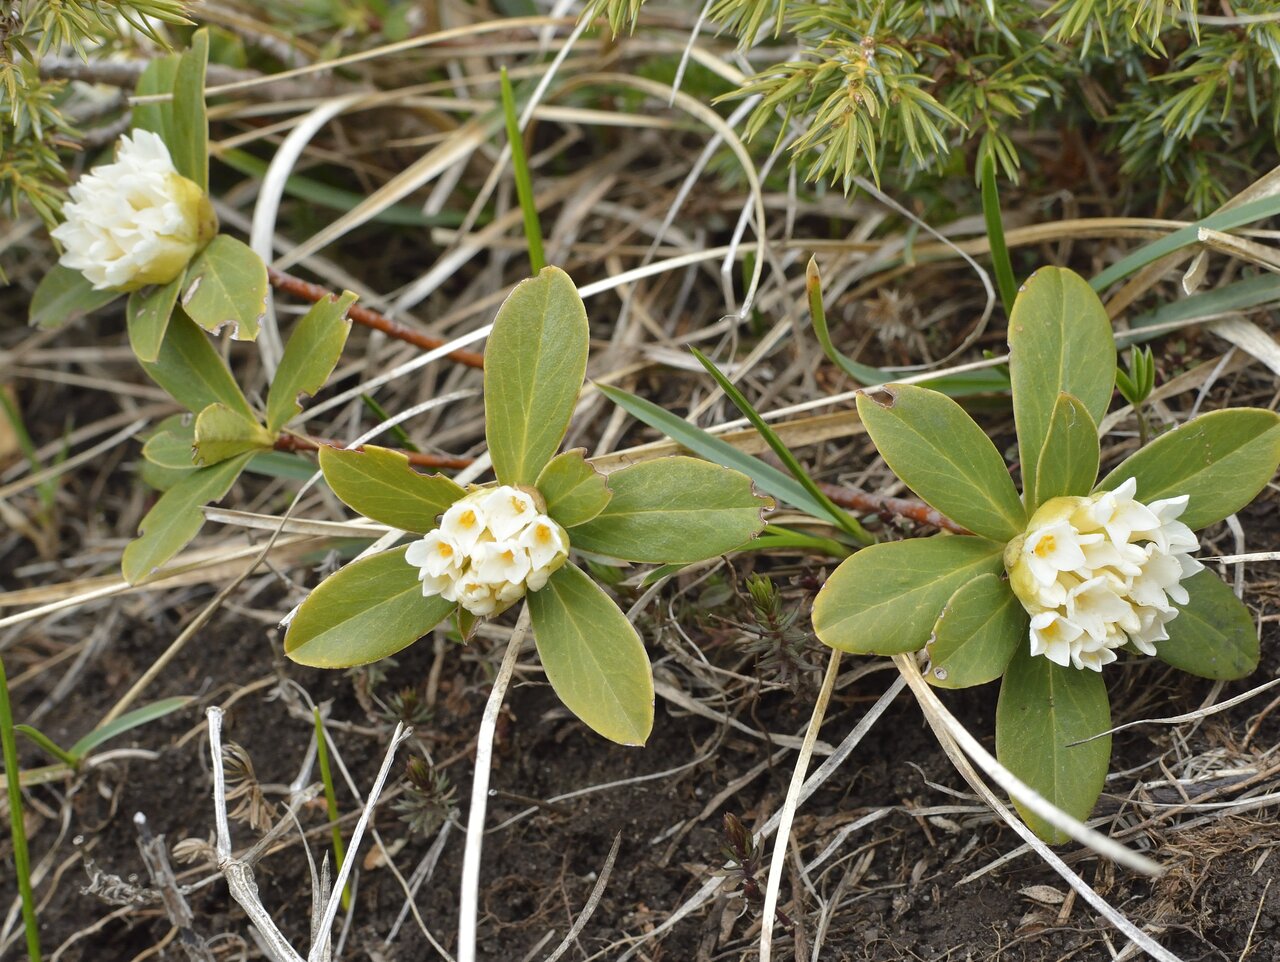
1051	586
477	552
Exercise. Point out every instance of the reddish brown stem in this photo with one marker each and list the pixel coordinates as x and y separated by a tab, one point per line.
917	511
369	318
290	442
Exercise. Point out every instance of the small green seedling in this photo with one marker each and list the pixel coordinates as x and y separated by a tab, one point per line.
1051	585
483	550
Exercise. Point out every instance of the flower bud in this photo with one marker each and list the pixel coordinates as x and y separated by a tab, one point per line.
136	221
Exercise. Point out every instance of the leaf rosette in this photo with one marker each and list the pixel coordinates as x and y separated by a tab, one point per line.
480	551
1053	582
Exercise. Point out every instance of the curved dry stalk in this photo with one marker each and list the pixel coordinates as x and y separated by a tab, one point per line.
469	897
946	728
788	813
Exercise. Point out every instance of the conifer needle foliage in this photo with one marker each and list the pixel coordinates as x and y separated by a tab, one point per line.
872	86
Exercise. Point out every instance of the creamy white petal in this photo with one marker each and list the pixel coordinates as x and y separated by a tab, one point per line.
508	510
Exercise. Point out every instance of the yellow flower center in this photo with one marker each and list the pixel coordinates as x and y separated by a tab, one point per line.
1045	546
467	519
542	533
516	504
446	551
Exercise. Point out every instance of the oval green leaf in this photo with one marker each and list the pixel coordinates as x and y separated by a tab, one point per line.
147	314
176	518
63	296
944	457
309	358
593	657
1221	459
575	492
1213	635
192	372
188	139
674	510
368	610
382	485
534	363
977	633
158	78
1060	341
884	599
1069	462
226	284
171	444
222	433
1043	710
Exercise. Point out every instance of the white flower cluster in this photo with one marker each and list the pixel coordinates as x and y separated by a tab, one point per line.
136	221
491	547
1099	572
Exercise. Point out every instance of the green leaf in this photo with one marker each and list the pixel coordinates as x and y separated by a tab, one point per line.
309	358
191	370
157	78
770	480
176	518
368	610
147	313
593	657
189	133
1043	709
222	433
575	492
1060	341
976	634
1069	462
172	446
63	296
127	722
1213	635
380	484
885	598
1221	459
674	509
534	363
226	284
944	457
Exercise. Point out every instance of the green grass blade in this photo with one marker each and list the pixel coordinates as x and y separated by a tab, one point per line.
524	183
862	373
331	802
1223	220
769	479
21	859
842	518
48	744
126	722
995	235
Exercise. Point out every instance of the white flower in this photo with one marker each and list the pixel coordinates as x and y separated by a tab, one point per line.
477	597
436	554
1169	533
500	562
545	541
1119	514
1052	636
508	510
1057	547
1101	572
1095	605
491	547
136	221
464	523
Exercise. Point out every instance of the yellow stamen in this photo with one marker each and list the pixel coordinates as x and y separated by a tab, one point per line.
1045	546
467	518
